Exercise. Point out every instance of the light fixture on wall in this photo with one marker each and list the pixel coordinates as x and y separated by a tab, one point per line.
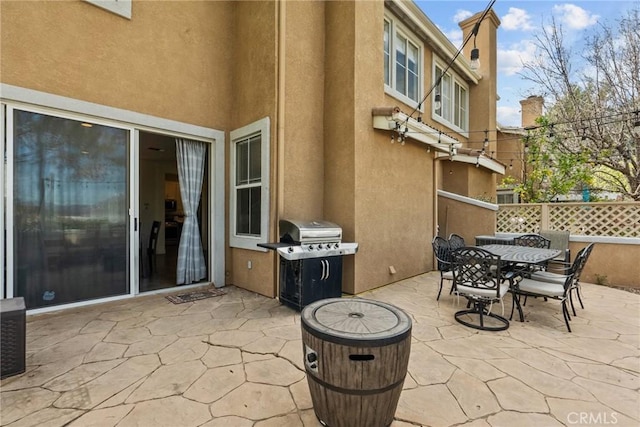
437	104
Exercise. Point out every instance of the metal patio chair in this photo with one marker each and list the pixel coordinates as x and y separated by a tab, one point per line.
547	276
559	290
456	241
477	277
442	252
532	241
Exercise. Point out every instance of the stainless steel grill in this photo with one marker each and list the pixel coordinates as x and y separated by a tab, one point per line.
310	261
312	239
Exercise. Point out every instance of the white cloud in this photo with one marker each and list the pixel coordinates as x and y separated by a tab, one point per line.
461	15
509	115
516	19
455	36
574	17
511	60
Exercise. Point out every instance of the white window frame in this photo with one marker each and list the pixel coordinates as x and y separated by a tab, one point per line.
396	28
261	127
119	7
448	100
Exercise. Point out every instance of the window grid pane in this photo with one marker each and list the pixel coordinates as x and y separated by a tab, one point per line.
387	53
401	57
412	68
438	111
248	185
454	100
401	67
446	97
242	161
255	166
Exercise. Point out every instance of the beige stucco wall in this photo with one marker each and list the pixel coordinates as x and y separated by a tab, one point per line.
163	62
510	153
313	68
173	60
464	219
616	264
254	86
380	193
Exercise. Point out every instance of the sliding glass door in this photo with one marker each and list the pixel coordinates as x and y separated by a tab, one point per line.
69	208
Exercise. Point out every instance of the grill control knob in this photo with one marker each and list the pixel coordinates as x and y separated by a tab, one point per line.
310	247
290	249
337	245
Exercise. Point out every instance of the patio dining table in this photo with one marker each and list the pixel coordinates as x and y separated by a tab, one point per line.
522	254
512	255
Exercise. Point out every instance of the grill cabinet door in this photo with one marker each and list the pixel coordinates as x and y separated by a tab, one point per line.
305	281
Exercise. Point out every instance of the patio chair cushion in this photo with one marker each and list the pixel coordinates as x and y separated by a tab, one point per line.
447	275
559	240
485	293
541	288
546	276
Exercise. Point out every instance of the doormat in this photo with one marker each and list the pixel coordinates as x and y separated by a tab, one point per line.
195	295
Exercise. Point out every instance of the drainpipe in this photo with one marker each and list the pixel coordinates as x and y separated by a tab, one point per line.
280	114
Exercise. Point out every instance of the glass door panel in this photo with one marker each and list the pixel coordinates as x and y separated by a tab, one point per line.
70	210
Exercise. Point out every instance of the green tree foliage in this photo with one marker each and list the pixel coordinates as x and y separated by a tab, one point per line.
594	98
550	171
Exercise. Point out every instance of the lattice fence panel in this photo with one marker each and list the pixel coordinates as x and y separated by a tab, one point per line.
586	219
596	219
519	218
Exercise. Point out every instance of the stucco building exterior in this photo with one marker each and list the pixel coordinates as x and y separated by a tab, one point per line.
313	91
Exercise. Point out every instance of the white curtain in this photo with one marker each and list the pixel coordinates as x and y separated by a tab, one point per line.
190	156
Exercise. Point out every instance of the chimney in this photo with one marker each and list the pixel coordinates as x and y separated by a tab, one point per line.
531	109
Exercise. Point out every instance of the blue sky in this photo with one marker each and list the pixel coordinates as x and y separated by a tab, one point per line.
520	22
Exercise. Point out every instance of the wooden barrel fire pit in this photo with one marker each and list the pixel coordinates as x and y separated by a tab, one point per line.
356	353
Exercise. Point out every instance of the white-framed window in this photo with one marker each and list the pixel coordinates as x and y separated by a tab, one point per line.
454	100
249	195
402	62
506	196
119	7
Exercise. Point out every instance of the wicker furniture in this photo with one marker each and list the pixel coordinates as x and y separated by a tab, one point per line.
13	332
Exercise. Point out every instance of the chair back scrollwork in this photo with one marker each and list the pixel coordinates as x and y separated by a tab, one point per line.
476	268
532	241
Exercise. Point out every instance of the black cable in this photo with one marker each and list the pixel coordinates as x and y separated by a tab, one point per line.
474	33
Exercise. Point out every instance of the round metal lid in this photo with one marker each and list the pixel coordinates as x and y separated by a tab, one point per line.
356	319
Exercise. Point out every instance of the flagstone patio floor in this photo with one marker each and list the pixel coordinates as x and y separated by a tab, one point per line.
236	360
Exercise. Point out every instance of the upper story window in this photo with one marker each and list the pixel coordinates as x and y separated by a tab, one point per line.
402	59
119	7
249	196
454	100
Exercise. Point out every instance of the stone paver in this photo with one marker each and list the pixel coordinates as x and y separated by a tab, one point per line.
236	360
254	401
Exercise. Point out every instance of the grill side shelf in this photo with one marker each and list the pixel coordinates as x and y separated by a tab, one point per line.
274	246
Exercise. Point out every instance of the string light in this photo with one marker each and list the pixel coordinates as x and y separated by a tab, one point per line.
475	52
466	40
